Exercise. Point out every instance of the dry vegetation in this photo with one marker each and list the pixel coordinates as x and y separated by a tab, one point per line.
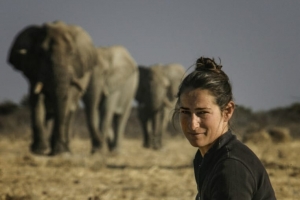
135	174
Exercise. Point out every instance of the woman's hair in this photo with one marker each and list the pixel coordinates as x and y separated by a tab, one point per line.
208	75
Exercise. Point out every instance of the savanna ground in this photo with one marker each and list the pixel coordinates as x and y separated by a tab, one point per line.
135	174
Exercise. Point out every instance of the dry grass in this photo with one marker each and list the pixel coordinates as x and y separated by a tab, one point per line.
283	165
135	174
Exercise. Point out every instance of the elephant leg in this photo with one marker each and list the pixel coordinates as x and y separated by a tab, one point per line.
120	122
157	130
92	103
165	122
146	126
108	131
68	127
107	109
39	141
144	120
59	140
152	125
113	144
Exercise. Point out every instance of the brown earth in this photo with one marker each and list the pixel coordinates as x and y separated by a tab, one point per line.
135	174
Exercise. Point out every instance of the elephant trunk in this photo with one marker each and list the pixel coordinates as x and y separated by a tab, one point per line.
60	88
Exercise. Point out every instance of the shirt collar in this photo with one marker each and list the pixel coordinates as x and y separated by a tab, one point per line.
221	141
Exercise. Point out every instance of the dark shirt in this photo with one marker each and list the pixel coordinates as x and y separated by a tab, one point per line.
230	170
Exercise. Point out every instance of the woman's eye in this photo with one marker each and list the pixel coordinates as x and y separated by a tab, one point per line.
184	112
201	113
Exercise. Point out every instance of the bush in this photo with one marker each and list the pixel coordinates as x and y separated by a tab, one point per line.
279	134
8	107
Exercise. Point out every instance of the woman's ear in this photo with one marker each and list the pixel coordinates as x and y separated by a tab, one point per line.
228	111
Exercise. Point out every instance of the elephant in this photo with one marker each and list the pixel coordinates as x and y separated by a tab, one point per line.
57	59
156	97
109	97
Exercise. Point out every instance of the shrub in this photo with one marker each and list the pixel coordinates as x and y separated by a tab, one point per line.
7	107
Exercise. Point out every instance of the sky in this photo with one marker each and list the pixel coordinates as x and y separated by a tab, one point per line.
258	42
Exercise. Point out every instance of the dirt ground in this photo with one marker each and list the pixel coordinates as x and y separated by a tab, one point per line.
135	174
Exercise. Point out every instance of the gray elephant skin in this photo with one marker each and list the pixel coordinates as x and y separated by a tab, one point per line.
57	60
156	97
109	97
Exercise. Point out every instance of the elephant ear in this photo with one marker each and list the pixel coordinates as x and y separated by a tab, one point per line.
159	76
25	48
71	47
85	56
118	67
174	72
144	83
159	86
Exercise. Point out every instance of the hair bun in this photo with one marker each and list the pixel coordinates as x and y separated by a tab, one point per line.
208	64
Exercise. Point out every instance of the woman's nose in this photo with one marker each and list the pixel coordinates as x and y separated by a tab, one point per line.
194	122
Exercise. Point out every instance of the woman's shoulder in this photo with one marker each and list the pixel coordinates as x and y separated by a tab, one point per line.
238	152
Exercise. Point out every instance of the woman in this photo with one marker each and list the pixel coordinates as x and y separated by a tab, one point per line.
224	167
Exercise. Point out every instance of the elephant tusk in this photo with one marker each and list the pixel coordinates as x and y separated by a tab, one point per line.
38	87
22	51
168	103
76	83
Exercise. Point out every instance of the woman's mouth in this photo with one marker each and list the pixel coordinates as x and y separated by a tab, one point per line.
196	133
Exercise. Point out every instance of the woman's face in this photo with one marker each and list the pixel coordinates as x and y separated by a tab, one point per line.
201	119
